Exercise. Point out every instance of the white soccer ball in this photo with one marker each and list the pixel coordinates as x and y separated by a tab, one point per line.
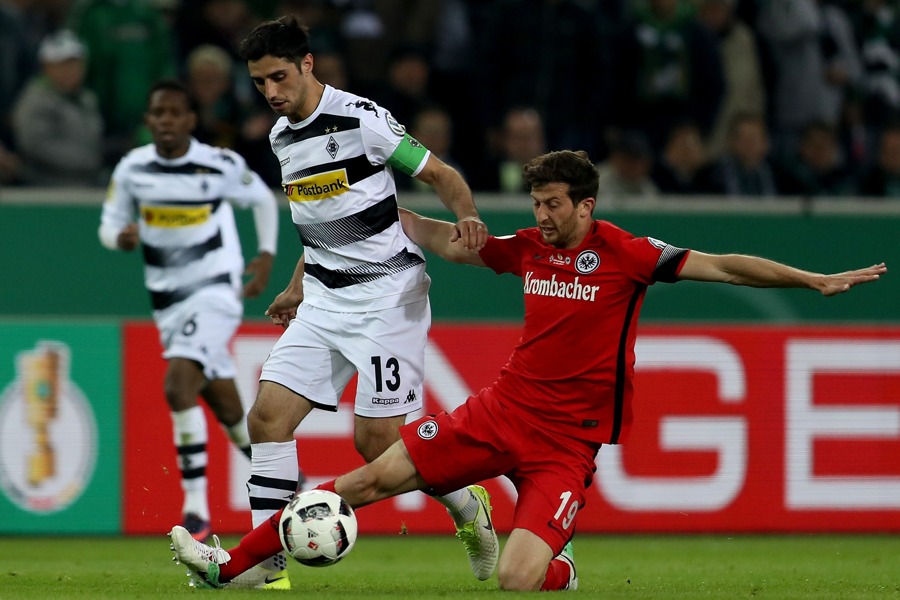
318	528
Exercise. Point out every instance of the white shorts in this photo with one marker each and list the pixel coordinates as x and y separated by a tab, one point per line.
320	351
200	328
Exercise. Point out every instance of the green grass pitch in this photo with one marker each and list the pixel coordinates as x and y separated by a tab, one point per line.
817	567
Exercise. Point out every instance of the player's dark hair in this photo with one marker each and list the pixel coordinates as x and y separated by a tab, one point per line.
285	37
173	85
564	166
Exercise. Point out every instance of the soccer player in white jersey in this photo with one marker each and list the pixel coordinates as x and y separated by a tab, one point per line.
358	300
174	197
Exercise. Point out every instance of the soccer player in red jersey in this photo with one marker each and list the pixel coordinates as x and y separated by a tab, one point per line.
567	387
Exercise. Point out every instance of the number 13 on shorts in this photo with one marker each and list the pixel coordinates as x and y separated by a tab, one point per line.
393	386
386	373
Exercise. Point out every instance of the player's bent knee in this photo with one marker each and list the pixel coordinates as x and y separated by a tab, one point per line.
515	579
372	437
275	414
265	425
371	449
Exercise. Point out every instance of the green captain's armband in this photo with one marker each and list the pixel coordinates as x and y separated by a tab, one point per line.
408	155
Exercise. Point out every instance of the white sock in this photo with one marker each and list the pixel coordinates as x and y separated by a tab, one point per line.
238	434
190	438
274	474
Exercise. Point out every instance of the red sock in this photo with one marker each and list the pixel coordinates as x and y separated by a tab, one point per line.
557	576
328	486
258	545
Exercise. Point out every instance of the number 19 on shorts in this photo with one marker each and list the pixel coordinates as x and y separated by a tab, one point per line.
567	514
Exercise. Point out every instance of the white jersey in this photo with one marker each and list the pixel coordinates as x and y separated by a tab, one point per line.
185	220
336	172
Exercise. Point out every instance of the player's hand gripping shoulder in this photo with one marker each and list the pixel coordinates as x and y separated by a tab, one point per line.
259	270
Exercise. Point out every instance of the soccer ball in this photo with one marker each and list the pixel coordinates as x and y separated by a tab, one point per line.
318	528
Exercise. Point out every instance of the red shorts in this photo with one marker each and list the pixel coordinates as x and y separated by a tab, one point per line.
482	439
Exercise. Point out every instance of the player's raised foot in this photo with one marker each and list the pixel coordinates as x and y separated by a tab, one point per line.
197	527
568	556
267	575
479	538
202	561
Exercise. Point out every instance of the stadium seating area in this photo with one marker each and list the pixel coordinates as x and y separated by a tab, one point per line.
671	98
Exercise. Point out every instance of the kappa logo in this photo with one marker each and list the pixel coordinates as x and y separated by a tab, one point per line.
385	401
365	105
427	430
587	262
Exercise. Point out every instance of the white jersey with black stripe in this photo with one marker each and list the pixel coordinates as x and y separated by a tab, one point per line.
185	219
336	173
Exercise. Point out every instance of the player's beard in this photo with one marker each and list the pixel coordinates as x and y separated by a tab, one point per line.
558	235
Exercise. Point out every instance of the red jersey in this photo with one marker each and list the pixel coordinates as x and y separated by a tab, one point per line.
572	370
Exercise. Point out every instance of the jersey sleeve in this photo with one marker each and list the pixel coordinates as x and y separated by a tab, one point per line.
503	254
387	142
118	208
247	189
650	260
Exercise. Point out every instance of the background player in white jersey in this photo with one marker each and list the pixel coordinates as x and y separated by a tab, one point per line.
361	280
174	197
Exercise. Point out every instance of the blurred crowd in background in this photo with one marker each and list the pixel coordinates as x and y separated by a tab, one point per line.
758	98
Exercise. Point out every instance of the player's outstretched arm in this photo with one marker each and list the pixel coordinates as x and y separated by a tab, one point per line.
739	269
454	192
438	237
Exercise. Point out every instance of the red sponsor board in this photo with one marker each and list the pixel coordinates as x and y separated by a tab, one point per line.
737	429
